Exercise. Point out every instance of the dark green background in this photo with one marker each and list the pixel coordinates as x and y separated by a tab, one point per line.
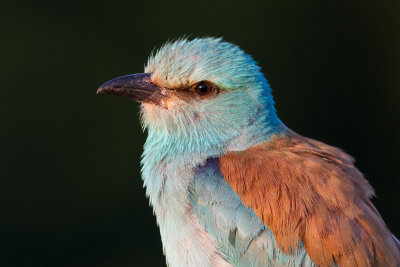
71	193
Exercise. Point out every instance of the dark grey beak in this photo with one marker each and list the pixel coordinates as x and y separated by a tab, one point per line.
137	87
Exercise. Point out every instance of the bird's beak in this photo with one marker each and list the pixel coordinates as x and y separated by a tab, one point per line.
137	87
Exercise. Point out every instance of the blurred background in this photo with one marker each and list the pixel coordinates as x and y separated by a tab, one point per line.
70	186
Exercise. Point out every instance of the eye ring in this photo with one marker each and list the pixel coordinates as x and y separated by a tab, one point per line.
205	89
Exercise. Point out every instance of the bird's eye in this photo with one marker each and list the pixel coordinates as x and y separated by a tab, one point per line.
205	89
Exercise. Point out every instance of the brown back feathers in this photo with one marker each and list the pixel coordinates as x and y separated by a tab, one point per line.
307	191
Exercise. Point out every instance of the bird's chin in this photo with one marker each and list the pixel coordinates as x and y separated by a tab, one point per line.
152	114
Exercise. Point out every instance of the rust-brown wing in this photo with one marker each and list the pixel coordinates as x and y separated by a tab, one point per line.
307	191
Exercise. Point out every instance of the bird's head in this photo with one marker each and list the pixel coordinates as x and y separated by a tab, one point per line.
201	95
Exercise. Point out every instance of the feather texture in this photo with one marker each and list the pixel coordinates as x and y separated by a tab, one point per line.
236	230
305	190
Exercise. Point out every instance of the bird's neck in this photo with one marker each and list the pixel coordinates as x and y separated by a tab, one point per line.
168	170
168	154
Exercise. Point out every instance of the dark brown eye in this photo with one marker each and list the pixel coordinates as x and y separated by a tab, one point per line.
205	89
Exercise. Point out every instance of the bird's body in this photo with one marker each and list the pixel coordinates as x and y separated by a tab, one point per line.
230	184
240	236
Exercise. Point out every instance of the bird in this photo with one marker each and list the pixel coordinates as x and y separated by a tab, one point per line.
230	184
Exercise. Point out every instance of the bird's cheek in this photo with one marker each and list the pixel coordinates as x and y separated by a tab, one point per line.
173	103
164	103
152	114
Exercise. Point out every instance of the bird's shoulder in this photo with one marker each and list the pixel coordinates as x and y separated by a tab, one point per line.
238	233
307	191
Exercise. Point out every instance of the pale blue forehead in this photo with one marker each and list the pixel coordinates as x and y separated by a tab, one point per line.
189	61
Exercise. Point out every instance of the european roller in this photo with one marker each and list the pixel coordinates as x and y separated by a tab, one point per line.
230	184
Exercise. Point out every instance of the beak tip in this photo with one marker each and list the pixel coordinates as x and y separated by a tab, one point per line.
103	89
